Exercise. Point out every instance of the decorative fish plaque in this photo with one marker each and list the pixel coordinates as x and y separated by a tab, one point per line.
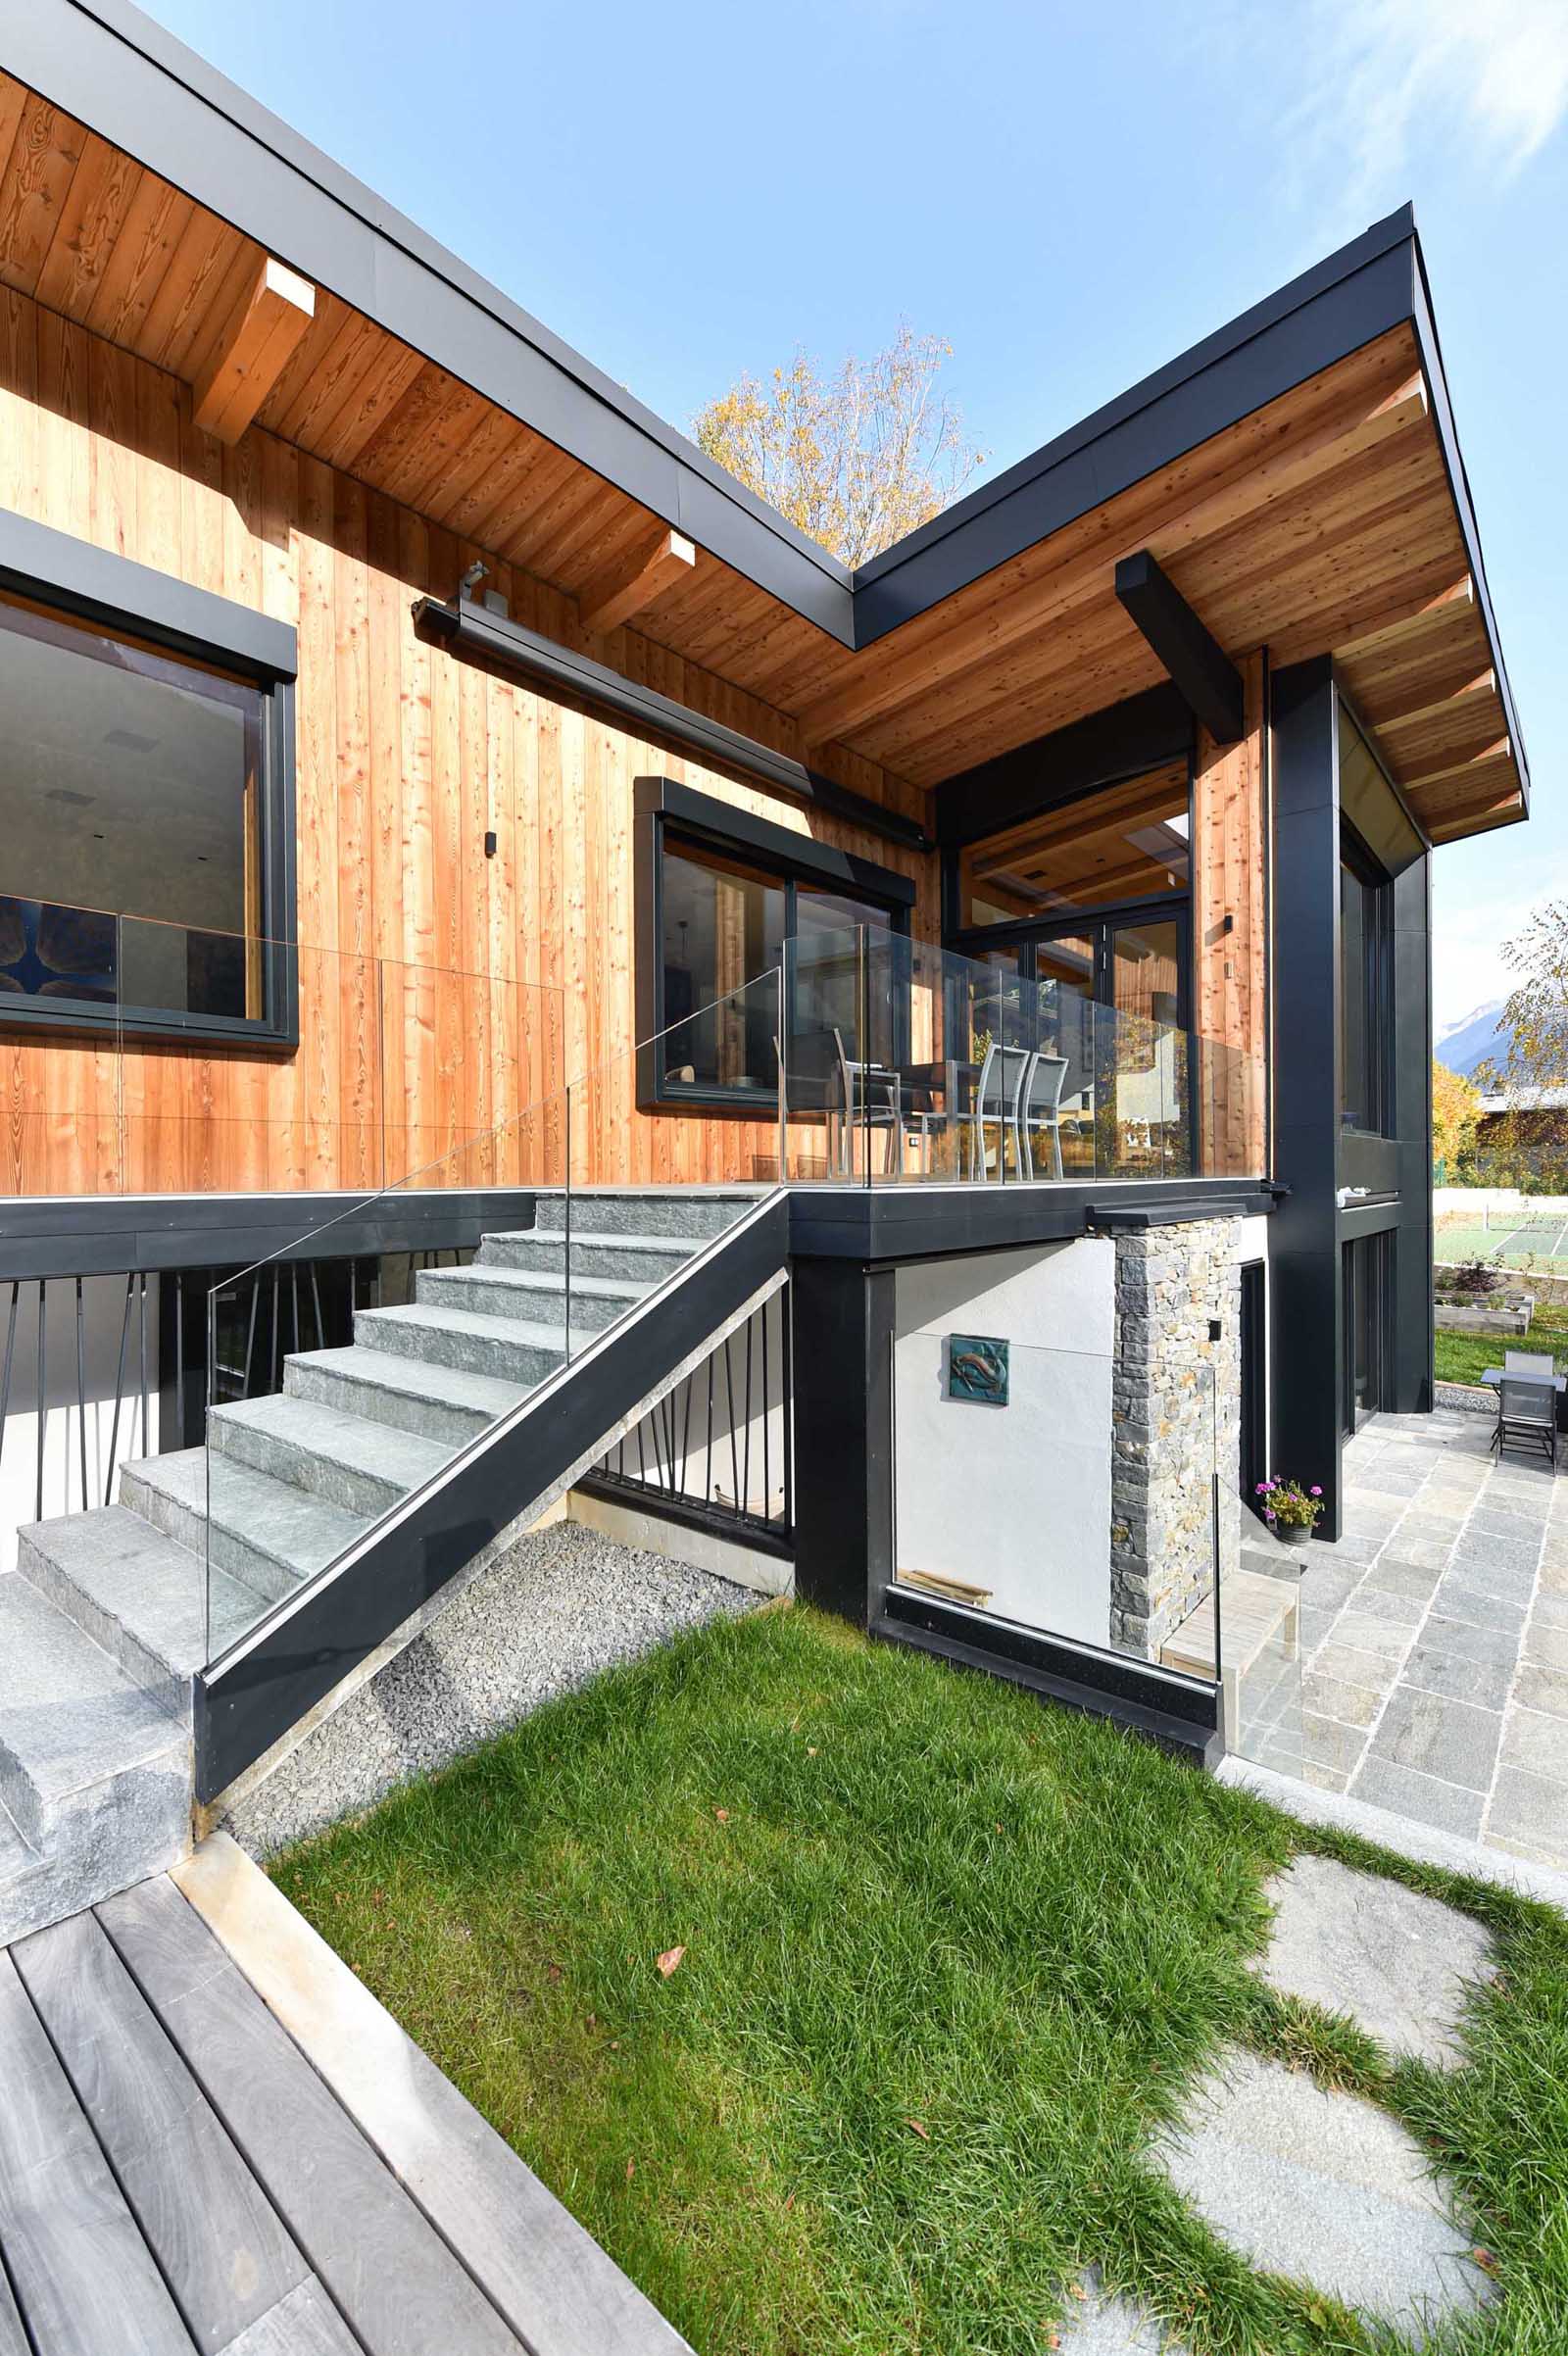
977	1370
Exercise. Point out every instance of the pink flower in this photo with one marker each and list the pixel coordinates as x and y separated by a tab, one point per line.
1269	1514
1262	1489
1316	1490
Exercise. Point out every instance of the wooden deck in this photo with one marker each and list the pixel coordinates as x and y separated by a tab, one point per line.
177	2172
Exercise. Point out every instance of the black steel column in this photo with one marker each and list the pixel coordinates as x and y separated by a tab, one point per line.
842	1356
1308	1345
1410	1350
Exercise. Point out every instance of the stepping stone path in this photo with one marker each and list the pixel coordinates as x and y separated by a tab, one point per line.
1324	2187
1400	1964
1327	2187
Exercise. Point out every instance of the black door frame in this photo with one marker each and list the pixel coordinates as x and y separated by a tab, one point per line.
1254	1379
1365	1267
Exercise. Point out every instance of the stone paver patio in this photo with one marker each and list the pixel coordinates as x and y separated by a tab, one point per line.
1432	1670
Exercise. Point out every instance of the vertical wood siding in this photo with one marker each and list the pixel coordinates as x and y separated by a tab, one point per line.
442	993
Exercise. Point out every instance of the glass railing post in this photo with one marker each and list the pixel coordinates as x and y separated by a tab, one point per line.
566	1254
779	1055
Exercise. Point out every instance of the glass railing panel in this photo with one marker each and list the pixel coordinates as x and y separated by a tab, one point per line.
464	1055
910	1063
345	1069
341	1439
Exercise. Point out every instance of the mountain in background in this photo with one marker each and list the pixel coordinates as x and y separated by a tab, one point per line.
1464	1043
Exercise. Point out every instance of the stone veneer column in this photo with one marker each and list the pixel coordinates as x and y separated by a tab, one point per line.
1171	1282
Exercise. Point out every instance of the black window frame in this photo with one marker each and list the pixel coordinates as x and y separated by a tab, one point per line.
114	594
1377	985
665	806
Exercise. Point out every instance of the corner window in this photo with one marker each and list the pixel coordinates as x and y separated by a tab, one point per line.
725	913
146	852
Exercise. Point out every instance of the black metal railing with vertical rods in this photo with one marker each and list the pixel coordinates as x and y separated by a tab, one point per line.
125	1390
717	1447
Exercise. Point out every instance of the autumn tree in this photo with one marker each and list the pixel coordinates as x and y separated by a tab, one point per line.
1532	1131
857	457
1456	1110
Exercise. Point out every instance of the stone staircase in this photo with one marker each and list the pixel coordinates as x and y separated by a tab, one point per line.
109	1615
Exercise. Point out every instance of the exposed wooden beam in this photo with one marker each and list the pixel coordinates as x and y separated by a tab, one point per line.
1455	707
1192	658
1477	817
1406	624
634	580
1462	779
257	339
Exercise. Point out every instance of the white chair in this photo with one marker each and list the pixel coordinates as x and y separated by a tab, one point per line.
997	1098
872	1097
1041	1108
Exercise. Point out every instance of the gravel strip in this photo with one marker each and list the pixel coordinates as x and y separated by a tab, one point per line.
563	1604
1473	1397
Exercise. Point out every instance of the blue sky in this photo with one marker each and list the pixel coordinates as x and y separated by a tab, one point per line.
1069	196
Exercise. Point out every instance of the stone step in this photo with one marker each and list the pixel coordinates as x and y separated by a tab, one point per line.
645	1210
501	1348
265	1533
436	1403
71	1721
530	1295
649	1258
364	1467
139	1594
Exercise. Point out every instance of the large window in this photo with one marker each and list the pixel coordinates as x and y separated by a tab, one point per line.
1364	990
729	914
146	853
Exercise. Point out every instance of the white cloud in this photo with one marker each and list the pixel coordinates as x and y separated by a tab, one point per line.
1487	76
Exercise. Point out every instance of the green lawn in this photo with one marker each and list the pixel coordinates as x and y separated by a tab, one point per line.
950	1959
1464	1357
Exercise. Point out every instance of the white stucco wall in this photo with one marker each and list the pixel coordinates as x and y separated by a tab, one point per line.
1016	1498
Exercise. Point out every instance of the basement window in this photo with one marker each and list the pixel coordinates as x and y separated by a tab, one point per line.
142	879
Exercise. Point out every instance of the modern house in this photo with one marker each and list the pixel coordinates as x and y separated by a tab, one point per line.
913	1079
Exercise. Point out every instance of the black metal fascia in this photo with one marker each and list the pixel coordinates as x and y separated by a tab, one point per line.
1426	333
88	1235
125	78
881	1225
511	647
1192	657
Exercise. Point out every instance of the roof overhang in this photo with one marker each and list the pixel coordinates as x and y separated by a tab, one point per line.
1295	477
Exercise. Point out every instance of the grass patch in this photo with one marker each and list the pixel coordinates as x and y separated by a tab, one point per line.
950	1959
1460	1358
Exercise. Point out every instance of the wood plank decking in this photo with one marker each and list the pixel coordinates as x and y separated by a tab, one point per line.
180	2168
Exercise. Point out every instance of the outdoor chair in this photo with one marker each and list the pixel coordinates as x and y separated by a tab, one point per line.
1041	1108
997	1096
1529	1361
870	1100
1527	1417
